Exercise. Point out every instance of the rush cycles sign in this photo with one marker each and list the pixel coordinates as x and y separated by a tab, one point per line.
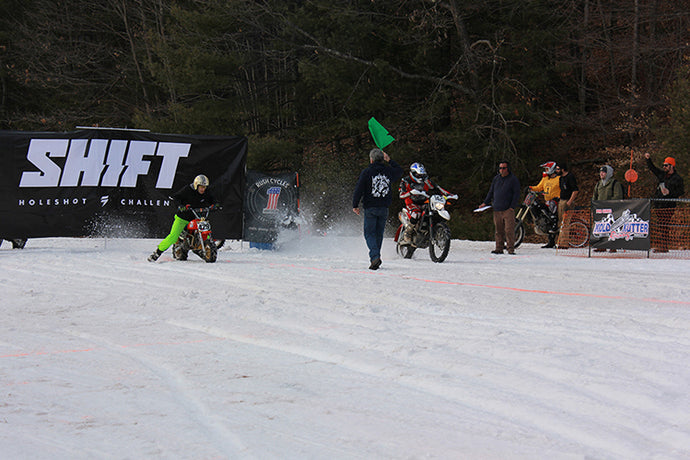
271	204
621	224
113	182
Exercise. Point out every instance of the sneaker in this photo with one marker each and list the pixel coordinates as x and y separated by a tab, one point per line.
155	255
497	251
375	264
511	252
549	245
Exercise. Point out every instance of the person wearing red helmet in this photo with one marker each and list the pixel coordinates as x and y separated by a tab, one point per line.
550	185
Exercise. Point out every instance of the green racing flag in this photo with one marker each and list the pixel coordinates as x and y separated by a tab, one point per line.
381	137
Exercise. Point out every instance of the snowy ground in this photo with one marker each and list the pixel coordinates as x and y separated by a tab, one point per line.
303	353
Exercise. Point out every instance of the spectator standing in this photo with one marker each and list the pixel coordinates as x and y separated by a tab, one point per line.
504	197
670	183
608	188
569	190
670	186
375	190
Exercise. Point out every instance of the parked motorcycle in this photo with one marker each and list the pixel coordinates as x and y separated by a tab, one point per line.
544	217
431	230
196	237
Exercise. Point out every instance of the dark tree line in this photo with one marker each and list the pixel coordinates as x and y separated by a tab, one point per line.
459	84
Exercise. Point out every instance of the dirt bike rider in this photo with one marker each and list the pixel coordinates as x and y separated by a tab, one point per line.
193	195
551	186
415	189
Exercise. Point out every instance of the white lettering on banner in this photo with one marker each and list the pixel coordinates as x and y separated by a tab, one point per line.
143	202
123	162
83	201
52	202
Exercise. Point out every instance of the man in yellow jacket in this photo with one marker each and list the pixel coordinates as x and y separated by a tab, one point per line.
550	185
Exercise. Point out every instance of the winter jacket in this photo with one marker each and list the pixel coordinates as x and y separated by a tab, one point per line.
374	187
188	196
504	192
608	188
673	182
551	187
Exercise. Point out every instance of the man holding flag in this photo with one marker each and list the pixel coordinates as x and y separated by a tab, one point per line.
375	190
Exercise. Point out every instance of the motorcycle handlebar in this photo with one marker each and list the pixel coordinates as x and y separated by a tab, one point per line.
198	210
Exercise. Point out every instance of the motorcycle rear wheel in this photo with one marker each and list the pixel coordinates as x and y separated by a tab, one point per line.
179	252
439	245
519	233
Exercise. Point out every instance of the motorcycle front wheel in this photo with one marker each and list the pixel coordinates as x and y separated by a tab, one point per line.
439	244
519	233
210	252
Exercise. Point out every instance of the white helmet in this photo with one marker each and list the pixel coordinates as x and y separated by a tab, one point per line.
417	172
200	180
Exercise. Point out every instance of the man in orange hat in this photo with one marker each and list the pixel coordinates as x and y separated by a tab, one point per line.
670	186
670	182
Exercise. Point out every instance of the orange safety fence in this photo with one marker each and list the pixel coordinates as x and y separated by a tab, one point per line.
669	235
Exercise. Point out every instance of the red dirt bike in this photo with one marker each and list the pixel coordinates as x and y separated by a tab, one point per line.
196	237
431	231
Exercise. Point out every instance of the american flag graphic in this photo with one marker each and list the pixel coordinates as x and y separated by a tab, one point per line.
273	195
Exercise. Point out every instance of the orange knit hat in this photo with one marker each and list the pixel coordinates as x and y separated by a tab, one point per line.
670	161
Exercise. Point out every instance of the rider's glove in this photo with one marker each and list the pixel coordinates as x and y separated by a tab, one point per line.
184	208
212	207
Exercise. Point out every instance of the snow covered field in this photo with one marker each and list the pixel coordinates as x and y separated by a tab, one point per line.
303	353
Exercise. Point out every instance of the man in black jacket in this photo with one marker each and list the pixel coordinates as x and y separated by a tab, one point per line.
504	197
374	188
670	182
193	195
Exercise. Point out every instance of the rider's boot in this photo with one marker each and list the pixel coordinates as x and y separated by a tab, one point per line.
408	232
552	241
155	255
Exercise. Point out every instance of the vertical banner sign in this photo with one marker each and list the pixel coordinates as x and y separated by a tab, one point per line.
95	182
621	224
271	204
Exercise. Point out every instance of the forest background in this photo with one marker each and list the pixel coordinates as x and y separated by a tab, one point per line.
460	85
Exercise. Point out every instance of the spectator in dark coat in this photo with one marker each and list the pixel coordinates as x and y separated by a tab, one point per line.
375	190
504	197
670	183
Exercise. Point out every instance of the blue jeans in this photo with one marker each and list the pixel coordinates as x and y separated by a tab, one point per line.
374	225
